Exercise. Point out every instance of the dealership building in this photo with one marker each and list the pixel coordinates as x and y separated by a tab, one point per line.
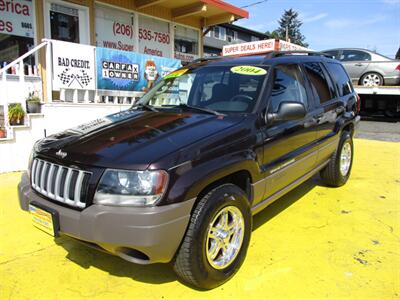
84	59
154	27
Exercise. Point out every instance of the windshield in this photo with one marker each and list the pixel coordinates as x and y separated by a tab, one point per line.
224	89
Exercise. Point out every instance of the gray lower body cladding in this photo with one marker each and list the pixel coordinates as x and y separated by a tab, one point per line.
155	232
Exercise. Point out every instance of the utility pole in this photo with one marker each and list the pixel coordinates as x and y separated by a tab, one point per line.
287	33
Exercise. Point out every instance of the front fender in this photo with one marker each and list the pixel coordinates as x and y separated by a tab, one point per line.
190	178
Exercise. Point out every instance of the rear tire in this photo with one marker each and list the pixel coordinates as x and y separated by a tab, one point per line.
371	79
211	253
338	170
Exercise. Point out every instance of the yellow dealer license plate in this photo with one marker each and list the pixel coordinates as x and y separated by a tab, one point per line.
44	219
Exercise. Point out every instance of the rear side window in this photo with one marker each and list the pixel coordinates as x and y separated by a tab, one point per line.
288	86
318	82
341	78
354	55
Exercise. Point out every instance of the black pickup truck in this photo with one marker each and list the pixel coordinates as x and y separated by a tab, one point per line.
178	176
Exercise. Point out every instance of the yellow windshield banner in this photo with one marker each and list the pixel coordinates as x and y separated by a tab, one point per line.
176	73
248	70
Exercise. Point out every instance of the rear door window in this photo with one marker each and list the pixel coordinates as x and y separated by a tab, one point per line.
342	80
319	83
288	86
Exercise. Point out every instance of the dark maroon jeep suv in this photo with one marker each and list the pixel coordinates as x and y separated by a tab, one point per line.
178	176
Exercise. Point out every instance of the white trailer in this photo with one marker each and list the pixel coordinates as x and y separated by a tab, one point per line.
380	99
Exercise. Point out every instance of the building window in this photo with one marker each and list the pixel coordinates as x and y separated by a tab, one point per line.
16	32
186	44
231	35
254	38
220	33
154	37
115	29
64	23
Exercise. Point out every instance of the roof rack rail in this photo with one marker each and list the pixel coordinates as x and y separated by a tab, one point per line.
202	59
273	54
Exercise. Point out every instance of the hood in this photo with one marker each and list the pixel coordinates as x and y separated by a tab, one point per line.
132	139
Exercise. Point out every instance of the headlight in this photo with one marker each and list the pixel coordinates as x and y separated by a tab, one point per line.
131	188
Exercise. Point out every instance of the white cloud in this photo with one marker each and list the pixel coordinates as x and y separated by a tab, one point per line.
343	23
309	19
391	2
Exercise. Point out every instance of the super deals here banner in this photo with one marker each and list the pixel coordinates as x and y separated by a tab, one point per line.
129	71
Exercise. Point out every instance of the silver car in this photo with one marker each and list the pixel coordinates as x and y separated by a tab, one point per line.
368	68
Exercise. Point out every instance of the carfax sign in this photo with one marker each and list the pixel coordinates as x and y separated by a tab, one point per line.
129	71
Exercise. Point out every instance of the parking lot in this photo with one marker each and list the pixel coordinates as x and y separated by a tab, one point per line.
314	242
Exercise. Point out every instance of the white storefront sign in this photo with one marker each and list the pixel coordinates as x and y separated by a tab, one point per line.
154	37
16	18
115	29
286	46
186	43
73	66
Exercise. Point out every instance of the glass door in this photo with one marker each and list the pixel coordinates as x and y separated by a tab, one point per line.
67	22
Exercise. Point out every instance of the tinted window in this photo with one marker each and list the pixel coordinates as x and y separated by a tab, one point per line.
288	86
354	55
318	81
341	78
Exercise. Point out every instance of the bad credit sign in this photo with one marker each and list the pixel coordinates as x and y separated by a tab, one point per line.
73	66
16	18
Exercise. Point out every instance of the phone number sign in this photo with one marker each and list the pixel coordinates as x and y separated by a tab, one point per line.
154	37
114	29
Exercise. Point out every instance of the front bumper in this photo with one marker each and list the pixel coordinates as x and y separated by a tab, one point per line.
128	232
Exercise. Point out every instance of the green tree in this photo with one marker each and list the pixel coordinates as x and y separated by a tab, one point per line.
290	22
272	34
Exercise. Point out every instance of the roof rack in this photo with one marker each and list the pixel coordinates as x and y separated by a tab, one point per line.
202	59
273	54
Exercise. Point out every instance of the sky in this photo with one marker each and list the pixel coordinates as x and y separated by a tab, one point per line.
371	24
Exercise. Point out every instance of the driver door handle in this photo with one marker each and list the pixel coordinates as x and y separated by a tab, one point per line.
317	118
359	65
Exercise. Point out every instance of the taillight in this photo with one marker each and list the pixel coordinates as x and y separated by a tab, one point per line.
358	104
398	68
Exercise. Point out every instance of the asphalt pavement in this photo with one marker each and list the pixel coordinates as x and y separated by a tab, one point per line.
378	130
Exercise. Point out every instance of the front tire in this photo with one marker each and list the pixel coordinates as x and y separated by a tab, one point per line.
337	172
217	238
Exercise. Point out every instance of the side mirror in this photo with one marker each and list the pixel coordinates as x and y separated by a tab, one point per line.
288	111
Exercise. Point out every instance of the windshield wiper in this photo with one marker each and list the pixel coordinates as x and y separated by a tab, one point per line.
202	109
146	106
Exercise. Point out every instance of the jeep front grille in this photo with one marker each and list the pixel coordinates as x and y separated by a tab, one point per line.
60	183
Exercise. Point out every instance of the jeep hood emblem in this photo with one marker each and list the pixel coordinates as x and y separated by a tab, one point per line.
61	153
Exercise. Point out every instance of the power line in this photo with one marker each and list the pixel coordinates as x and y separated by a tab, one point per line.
253	4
